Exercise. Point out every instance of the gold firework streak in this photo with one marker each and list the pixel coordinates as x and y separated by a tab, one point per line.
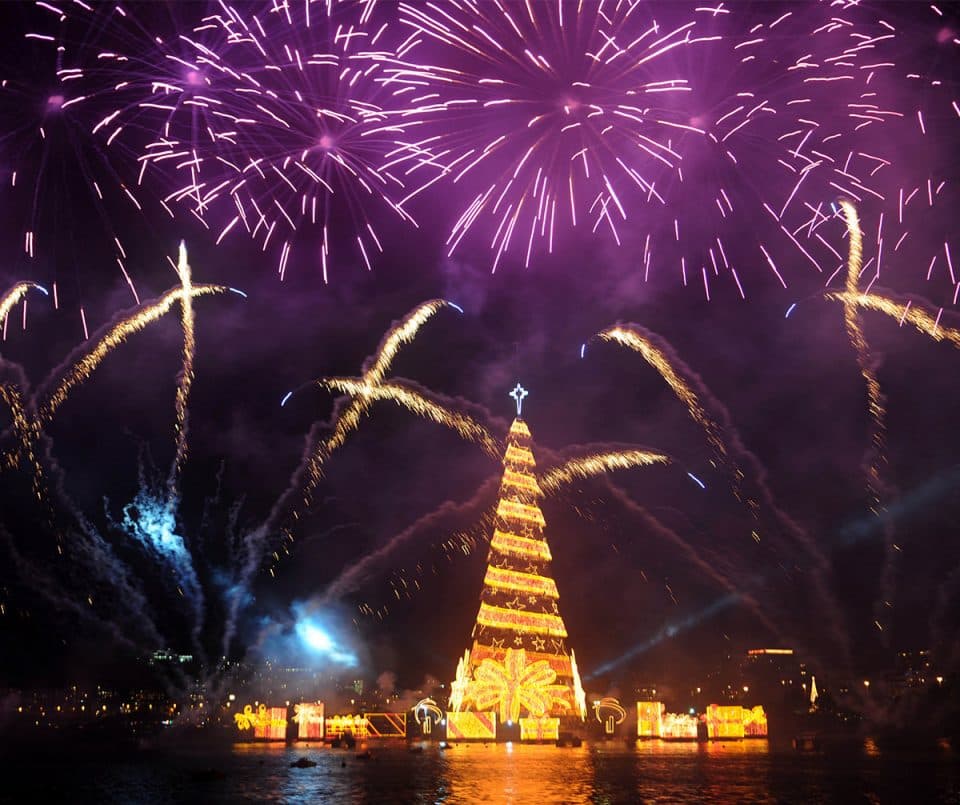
658	359
414	402
23	425
117	334
27	431
858	341
185	381
598	464
14	295
349	417
911	314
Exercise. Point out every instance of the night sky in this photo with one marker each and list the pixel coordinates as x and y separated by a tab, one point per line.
632	599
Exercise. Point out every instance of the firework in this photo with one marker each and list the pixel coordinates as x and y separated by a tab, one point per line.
598	464
903	312
635	339
348	418
71	375
561	105
27	431
411	400
14	295
854	328
65	193
302	137
186	372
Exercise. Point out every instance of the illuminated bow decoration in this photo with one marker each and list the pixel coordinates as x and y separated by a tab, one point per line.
515	684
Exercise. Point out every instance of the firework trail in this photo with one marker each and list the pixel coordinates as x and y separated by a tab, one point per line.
479	509
875	459
347	418
14	295
30	418
185	380
656	353
151	520
598	464
301	134
124	615
416	403
83	362
24	425
27	432
730	452
903	312
858	341
317	449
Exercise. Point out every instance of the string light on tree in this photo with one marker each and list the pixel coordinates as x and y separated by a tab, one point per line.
519	664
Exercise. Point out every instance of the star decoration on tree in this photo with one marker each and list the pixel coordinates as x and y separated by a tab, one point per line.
539	643
518	394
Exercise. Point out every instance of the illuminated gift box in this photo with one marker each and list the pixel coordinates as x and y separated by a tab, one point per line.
274	728
336	726
754	722
539	729
309	718
679	726
724	721
386	725
472	726
650	719
267	723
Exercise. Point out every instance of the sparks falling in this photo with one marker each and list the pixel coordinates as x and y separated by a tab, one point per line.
598	464
185	379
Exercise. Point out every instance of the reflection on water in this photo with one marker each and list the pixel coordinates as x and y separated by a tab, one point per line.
600	774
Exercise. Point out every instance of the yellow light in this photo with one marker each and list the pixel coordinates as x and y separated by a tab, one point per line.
539	729
599	464
724	721
522	582
518	455
512	619
522	480
650	719
520	546
471	726
515	685
519	429
513	510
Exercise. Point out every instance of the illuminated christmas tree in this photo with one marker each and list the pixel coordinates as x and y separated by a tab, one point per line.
519	664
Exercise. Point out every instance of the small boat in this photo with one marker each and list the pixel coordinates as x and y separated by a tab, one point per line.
303	763
366	754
